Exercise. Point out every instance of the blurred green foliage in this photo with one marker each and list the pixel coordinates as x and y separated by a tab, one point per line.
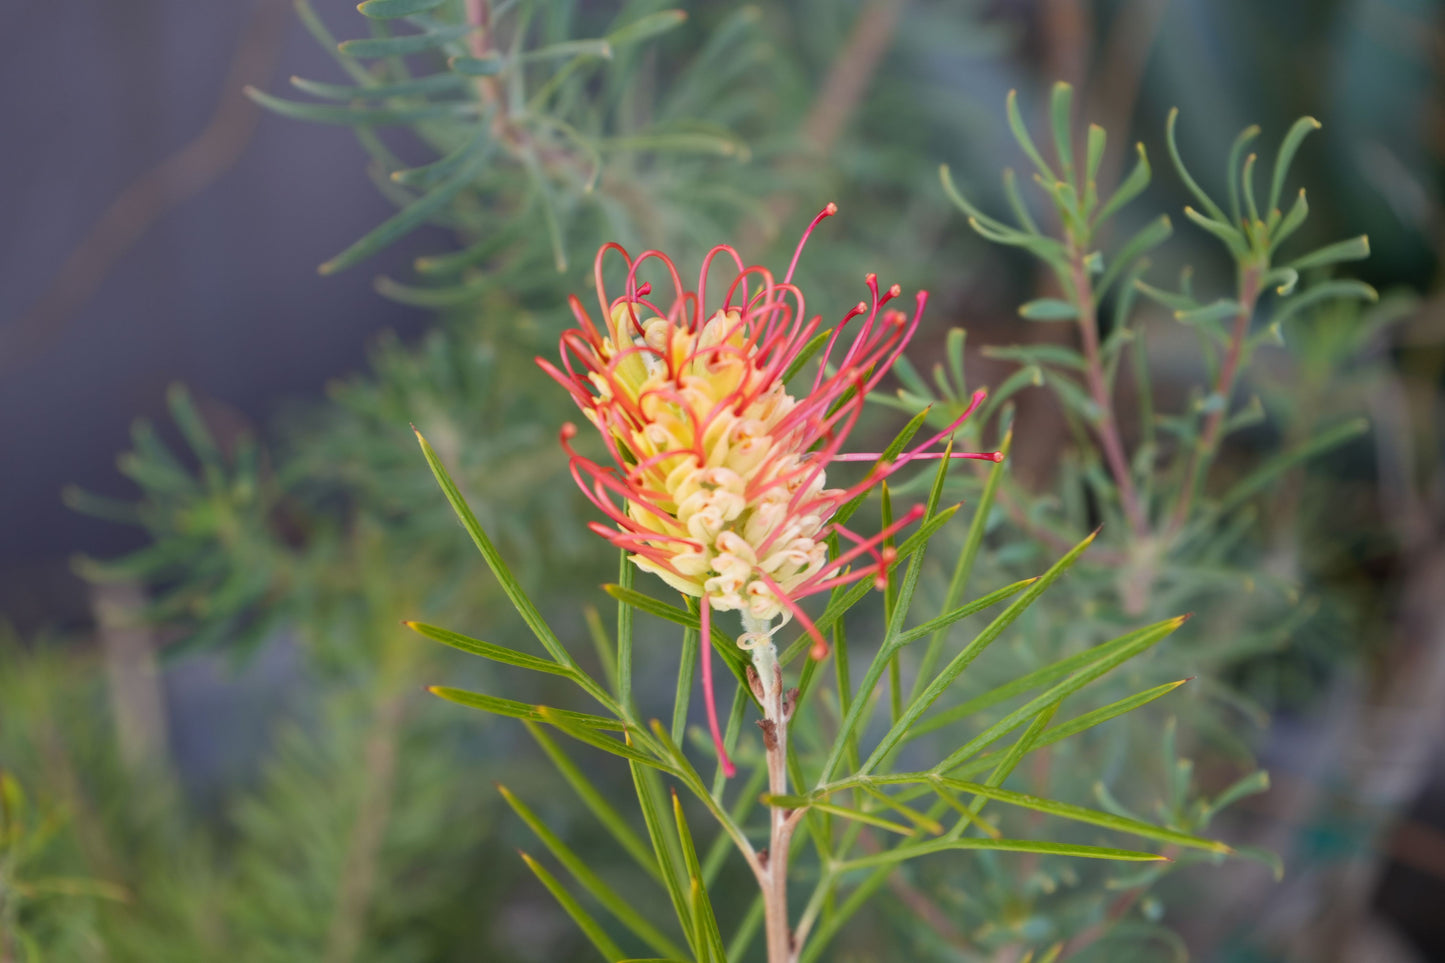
369	830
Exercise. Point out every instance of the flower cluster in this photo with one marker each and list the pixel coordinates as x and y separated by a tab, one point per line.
718	481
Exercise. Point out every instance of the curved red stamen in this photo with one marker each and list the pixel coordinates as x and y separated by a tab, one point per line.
705	639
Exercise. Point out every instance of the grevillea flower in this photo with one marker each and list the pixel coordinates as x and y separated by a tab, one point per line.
719	475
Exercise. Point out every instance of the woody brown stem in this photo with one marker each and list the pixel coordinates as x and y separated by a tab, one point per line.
1106	424
774	872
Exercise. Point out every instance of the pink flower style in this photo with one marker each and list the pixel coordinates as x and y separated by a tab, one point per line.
718	483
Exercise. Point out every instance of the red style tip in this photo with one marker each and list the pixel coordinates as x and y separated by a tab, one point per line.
818	651
830	209
997	457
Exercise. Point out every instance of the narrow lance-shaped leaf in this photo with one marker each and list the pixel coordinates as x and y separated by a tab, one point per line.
1048	309
647	27
962	571
487	650
581	917
1329	290
1021	134
501	571
1292	140
970	652
421	86
1204	199
1232	174
1132	187
372	48
396	9
1061	105
709	936
1043	847
1353	249
664	847
1092	817
522	710
602	892
1155	233
411	217
1140	640
596	803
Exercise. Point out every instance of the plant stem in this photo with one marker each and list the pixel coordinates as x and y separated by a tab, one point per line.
774	877
1107	425
1228	372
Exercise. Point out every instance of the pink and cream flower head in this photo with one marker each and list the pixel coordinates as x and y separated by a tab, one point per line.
718	477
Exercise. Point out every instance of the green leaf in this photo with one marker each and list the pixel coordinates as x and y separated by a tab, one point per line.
523	710
681	142
596	803
1283	280
685	671
1021	134
1092	817
1028	377
497	653
1139	641
421	86
701	904
584	921
1132	187
1220	310
1354	249
955	667
371	48
510	586
1016	202
1048	309
470	66
1232	175
1039	354
963	611
1094	155
1175	302
431	175
1268	472
1329	290
396	9
1061	105
1150	237
1042	847
411	217
805	355
570	48
565	722
354	116
1296	216
1232	238
1292	140
842	603
664	848
1252	784
602	892
1204	199
962	571
647	27
721	643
